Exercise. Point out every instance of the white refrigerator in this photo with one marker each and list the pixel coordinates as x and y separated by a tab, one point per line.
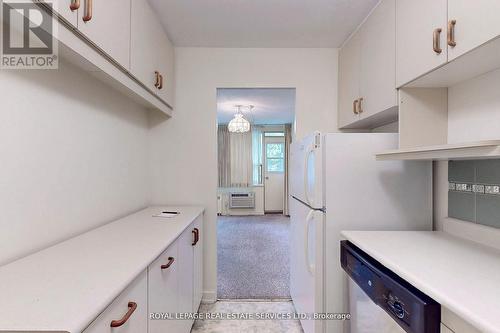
336	184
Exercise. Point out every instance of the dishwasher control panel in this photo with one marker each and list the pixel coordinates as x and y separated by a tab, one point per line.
413	310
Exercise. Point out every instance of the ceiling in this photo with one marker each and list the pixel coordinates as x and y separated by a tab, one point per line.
261	23
272	106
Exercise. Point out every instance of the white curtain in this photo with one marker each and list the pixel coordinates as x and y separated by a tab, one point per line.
241	159
224	156
257	133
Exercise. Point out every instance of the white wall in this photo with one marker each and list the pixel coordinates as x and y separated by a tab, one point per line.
184	149
73	156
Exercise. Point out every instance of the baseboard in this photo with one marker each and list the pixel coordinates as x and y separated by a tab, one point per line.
209	296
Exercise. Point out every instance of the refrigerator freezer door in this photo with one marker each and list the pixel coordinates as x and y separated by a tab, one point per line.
306	170
306	263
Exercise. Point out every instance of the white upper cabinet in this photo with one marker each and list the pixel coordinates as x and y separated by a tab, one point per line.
378	53
151	53
107	24
349	72
421	31
475	23
68	9
367	69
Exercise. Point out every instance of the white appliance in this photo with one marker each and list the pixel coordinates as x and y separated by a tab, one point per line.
241	200
336	184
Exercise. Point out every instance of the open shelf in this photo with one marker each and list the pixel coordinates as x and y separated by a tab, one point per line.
475	150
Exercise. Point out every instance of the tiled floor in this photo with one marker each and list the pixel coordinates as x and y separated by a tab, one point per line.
253	257
247	326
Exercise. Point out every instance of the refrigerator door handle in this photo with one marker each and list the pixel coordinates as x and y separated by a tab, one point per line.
309	151
309	219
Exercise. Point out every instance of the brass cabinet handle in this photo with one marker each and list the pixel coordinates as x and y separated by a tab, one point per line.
132	306
360	107
87	11
157	76
436	41
169	263
161	82
451	33
196	233
355	107
75	4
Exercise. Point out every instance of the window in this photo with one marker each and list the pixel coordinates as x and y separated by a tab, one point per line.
275	157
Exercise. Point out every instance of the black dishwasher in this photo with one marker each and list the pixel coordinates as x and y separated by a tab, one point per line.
371	282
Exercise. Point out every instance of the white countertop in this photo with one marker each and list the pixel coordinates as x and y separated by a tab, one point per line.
461	275
64	287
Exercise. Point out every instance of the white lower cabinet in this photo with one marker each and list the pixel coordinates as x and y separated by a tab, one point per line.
175	281
198	264
128	313
171	284
186	272
163	298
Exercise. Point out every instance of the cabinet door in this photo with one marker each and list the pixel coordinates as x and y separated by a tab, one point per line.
378	60
349	71
163	289
445	329
476	24
68	9
108	27
198	265
185	272
416	22
145	35
166	65
136	292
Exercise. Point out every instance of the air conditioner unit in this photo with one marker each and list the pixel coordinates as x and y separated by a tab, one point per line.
241	200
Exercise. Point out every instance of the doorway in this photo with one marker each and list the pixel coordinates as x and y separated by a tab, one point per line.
254	134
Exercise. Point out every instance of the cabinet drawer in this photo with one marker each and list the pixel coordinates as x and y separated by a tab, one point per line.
163	288
135	296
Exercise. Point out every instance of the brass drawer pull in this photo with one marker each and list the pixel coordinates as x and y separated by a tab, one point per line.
436	41
169	263
75	4
87	11
132	306
196	233
157	76
451	33
360	106
355	107
161	82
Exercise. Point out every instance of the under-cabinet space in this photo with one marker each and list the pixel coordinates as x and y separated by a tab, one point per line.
128	313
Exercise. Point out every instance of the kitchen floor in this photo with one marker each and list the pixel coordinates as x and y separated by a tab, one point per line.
247	325
253	257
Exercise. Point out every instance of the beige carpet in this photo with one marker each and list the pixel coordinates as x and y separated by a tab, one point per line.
253	257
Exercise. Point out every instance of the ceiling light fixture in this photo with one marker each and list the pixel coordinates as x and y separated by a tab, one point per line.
239	124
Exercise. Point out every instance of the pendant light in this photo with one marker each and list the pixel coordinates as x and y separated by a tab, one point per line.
239	124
